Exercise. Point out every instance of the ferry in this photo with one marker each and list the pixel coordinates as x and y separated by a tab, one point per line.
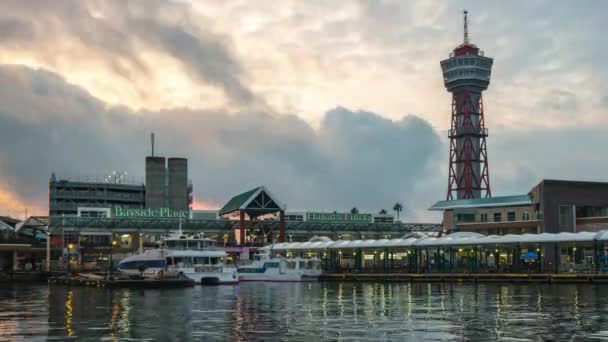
194	256
266	267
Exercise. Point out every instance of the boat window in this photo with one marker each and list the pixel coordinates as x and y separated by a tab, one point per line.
291	264
178	261
137	265
213	261
302	265
200	260
272	265
309	265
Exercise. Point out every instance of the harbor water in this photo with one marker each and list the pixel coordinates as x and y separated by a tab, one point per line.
307	311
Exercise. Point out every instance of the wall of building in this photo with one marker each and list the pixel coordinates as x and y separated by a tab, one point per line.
65	197
156	178
178	183
472	219
555	193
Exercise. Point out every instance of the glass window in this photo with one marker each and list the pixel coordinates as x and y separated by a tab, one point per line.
511	216
497	217
525	216
566	218
483	217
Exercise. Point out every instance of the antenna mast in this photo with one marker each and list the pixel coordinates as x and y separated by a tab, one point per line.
152	140
466	27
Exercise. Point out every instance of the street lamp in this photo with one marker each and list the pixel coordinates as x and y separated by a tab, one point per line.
111	251
70	246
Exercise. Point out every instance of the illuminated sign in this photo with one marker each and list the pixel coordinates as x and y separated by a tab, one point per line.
149	212
342	217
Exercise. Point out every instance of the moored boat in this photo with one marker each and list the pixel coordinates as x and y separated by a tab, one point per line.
266	267
194	256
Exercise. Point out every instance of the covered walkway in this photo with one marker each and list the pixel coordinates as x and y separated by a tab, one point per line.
463	252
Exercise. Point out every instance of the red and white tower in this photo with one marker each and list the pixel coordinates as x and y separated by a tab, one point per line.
466	74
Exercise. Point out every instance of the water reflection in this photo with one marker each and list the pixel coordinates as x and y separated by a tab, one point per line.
336	311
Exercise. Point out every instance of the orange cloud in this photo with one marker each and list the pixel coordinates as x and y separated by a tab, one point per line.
205	205
10	204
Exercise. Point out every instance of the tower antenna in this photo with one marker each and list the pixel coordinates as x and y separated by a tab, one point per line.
466	27
152	139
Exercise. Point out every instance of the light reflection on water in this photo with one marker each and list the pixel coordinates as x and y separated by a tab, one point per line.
290	311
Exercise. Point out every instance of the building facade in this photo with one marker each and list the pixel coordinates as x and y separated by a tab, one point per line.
552	206
167	183
66	196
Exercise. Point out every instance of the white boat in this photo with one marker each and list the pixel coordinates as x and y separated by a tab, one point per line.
194	256
265	267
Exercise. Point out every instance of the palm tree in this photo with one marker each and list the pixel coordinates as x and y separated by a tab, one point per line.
382	212
398	207
354	210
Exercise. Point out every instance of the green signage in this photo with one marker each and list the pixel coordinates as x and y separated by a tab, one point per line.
149	212
342	217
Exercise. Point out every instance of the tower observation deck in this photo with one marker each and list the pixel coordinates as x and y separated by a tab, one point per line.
466	73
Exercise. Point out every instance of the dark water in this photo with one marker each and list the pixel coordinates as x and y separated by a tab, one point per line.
319	311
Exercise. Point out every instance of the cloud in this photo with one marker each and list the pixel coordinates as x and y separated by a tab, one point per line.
130	42
355	158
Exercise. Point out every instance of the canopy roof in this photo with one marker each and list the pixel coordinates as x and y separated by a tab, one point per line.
455	239
255	202
500	201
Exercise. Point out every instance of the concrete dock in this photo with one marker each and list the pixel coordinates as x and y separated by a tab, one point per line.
469	277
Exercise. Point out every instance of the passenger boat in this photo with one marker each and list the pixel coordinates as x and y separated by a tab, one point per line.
266	267
194	256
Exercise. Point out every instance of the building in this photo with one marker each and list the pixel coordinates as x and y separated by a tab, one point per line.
466	74
66	196
156	178
167	183
552	206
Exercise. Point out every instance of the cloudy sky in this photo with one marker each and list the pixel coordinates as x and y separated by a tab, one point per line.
331	104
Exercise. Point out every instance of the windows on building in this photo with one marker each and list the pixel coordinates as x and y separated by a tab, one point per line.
497	217
525	216
483	218
511	216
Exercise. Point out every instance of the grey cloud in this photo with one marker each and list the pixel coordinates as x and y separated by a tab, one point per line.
356	158
115	32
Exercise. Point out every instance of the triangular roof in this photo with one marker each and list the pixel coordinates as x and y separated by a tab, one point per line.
258	200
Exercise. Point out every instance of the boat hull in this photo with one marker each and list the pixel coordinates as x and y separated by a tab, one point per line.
214	278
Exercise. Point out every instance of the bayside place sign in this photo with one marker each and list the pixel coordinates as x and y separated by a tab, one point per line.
149	212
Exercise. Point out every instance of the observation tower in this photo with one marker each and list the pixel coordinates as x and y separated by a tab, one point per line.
466	74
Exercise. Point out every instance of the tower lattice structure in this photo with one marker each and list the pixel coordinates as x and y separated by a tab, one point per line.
466	74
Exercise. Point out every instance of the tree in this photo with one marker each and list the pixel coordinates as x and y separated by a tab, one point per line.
354	210
382	212
398	208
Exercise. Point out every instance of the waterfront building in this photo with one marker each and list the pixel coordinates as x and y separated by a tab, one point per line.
552	206
461	252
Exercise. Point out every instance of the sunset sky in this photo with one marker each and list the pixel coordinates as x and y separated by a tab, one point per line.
331	104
